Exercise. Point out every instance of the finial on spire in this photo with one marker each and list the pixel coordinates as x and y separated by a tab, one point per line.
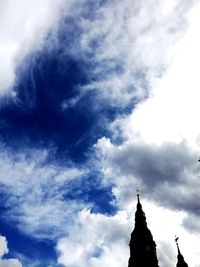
176	240
138	194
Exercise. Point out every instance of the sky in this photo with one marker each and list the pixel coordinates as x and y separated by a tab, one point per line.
98	98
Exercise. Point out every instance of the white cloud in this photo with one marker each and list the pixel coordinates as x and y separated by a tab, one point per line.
161	135
134	47
36	193
4	250
165	224
10	263
24	27
131	44
96	240
171	113
128	43
159	149
3	246
167	174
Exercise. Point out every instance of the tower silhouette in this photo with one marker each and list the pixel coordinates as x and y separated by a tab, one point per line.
180	259
142	246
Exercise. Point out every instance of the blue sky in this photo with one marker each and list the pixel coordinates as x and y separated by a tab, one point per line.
97	98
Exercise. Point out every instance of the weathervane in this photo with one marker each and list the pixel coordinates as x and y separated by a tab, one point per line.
176	239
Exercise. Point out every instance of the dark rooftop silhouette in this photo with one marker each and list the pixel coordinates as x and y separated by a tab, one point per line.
180	259
142	246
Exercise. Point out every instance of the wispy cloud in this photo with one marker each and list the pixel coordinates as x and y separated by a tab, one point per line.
37	193
160	137
140	50
24	28
127	50
126	46
129	45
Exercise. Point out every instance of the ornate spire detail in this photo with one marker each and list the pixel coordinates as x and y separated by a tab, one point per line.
142	245
180	259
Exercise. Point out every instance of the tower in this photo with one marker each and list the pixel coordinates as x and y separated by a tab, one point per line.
142	245
180	259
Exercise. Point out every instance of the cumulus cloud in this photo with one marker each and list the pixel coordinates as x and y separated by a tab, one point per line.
10	263
4	250
171	112
168	173
3	246
161	136
96	240
158	148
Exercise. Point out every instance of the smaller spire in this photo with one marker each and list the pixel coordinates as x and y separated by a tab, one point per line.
176	241
180	259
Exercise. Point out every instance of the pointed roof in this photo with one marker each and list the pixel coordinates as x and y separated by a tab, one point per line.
140	218
142	245
180	259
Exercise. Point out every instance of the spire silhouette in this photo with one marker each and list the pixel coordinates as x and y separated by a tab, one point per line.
180	259
142	245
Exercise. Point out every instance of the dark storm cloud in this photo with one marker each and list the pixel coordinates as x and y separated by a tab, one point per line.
168	173
155	164
192	222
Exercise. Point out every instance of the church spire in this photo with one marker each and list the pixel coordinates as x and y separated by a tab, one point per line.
180	259
142	245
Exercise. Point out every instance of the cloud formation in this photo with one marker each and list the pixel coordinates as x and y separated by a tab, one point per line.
37	193
156	146
95	240
126	49
98	239
4	250
160	137
24	29
130	45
